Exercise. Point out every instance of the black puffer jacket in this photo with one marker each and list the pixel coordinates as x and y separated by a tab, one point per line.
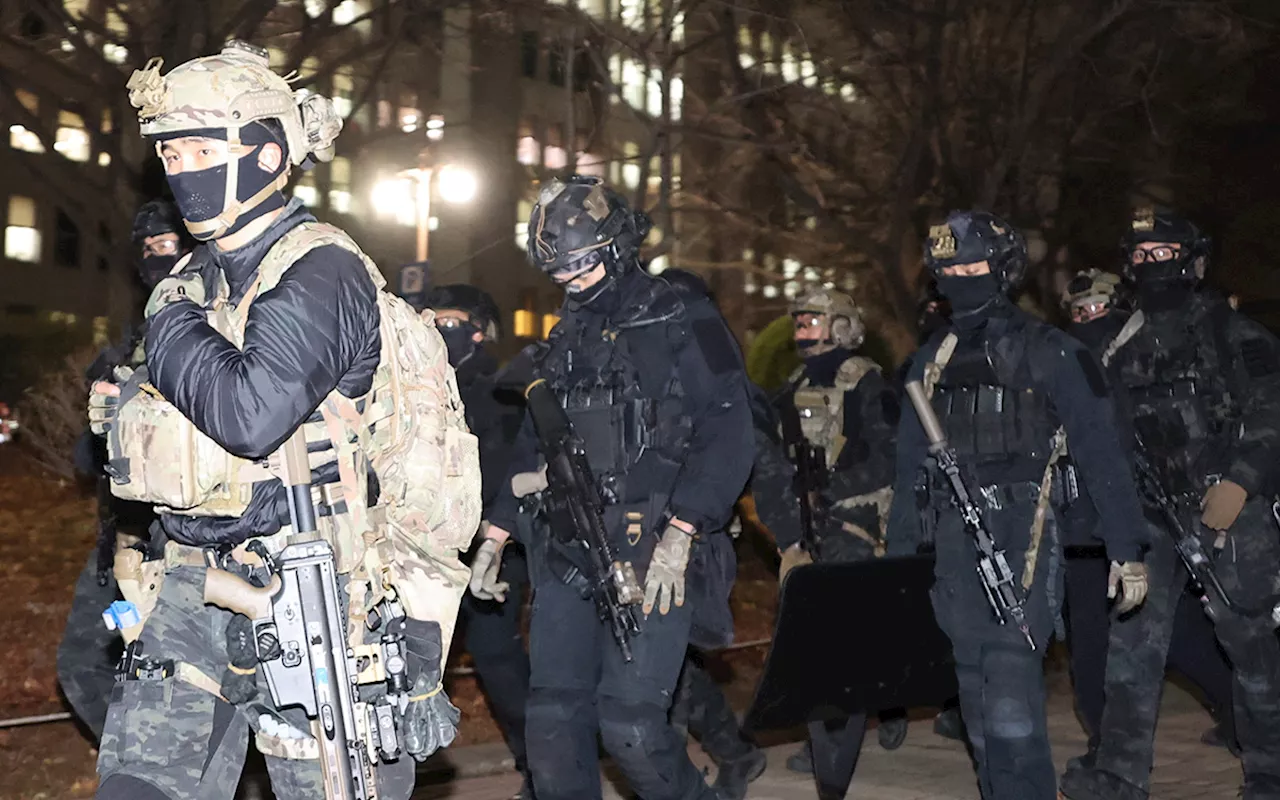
316	331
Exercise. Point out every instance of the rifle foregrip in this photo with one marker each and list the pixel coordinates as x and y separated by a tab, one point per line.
227	590
924	410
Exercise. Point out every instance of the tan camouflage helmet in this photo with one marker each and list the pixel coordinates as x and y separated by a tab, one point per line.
841	313
229	91
1090	286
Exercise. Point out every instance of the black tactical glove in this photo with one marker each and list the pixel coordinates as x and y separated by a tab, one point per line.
430	720
240	679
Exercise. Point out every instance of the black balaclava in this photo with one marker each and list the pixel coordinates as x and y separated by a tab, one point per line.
459	342
154	268
973	298
821	369
1096	332
200	195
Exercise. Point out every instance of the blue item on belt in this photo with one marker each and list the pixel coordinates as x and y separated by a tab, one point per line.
121	614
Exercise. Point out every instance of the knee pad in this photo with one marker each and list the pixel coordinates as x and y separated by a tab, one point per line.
1012	682
627	728
128	787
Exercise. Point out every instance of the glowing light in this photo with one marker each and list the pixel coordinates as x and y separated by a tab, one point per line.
457	184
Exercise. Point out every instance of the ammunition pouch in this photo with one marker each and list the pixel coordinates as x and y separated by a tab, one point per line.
990	423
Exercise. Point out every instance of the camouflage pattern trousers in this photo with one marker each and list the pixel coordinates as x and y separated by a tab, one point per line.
1249	569
172	739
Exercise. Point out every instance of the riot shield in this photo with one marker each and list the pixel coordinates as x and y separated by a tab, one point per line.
853	638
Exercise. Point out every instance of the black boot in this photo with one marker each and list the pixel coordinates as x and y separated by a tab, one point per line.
1080	783
949	724
892	732
733	777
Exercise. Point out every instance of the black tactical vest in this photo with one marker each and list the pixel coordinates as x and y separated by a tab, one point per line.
993	413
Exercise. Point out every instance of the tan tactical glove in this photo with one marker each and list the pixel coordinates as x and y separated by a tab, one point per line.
1222	503
665	578
183	286
1129	581
104	401
794	556
484	572
527	483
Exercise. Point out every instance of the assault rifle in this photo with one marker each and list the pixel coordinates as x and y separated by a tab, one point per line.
573	500
300	635
811	478
1186	541
1003	594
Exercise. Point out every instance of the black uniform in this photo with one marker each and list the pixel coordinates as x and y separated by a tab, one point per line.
654	385
1201	384
1010	384
1193	651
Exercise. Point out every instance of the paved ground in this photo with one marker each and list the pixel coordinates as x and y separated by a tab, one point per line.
930	767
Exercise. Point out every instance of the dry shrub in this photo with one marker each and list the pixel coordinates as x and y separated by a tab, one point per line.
53	414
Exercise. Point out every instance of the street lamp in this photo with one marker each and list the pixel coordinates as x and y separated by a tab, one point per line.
408	195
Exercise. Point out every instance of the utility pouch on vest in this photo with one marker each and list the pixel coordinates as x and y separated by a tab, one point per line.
156	456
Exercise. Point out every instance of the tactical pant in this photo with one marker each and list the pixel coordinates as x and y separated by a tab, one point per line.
701	706
88	652
581	687
491	632
1002	692
1193	650
1247	568
170	739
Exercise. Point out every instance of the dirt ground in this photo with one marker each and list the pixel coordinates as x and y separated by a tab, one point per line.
46	532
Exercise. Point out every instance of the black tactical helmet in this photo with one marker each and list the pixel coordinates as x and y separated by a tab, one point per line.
157	217
478	304
968	237
1149	225
579	223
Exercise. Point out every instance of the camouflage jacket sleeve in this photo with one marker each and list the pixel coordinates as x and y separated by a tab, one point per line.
905	534
1256	365
1082	399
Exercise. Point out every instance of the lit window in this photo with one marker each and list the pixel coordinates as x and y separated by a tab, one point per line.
410	119
310	66
595	8
769	291
748	255
315	8
749	285
655	236
21	236
658	265
631	12
811	224
768	56
589	164
556	158
433	223
677	97
850	283
811	274
677	26
747	60
791	289
829	285
343	88
522	235
435	127
549	321
115	53
104	159
67	46
340	185
384	114
654	96
22	139
808	73
522	323
346	12
305	190
115	24
633	84
72	139
790	66
630	169
790	267
528	151
615	75
848	93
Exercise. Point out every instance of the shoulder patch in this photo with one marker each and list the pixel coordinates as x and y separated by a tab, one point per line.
1260	359
717	346
1092	372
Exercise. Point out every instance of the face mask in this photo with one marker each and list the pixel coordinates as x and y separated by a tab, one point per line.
603	298
822	368
154	268
458	341
200	195
1157	296
968	294
1092	333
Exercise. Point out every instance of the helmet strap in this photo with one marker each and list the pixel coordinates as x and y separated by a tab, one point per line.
231	207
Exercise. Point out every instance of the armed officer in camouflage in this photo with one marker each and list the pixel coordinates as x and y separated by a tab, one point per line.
1097	317
1010	393
274	330
1201	385
88	652
838	405
653	383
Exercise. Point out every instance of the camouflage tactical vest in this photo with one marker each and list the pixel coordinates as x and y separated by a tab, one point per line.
409	429
821	408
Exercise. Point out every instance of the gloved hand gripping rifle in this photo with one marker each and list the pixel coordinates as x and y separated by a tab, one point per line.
573	501
300	633
1003	594
811	478
1186	541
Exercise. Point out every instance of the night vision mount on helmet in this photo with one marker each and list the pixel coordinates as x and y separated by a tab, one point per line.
1090	286
842	315
578	223
1166	227
968	237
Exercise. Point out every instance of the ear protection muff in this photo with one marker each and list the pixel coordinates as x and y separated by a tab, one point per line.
842	331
